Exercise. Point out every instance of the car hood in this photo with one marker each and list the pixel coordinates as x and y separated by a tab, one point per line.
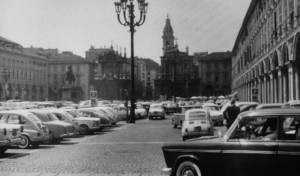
205	143
215	113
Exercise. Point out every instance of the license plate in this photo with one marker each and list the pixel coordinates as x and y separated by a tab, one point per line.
197	129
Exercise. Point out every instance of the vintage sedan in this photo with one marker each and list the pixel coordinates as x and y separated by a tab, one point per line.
215	113
197	123
57	129
259	142
66	117
10	134
87	125
34	133
88	112
178	118
156	110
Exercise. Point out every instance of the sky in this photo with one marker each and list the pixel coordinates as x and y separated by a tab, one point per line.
76	25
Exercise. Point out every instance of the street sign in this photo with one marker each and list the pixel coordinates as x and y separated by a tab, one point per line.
94	98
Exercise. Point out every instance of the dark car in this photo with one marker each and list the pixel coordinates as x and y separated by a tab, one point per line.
259	142
171	108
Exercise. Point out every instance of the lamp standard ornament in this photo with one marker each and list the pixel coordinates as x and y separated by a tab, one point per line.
123	6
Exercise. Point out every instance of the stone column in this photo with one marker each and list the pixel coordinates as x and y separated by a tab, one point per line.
291	81
275	85
260	87
297	83
265	89
271	88
280	91
284	87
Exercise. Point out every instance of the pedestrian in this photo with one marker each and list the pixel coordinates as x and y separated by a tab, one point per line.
231	113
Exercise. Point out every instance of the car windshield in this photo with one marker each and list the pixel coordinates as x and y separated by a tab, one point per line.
52	116
211	108
33	118
197	115
74	113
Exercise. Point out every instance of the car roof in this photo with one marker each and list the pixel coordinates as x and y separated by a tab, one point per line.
275	111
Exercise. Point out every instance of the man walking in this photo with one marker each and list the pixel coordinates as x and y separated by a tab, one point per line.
231	113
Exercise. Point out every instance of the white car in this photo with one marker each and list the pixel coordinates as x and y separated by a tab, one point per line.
197	123
86	124
10	134
215	113
157	110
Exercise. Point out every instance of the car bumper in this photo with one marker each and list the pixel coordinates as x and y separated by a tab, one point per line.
66	135
156	115
199	134
167	171
40	138
8	142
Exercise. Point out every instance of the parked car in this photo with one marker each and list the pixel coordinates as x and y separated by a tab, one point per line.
293	104
88	112
57	129
122	111
269	105
86	124
156	110
215	113
105	113
10	134
197	123
34	133
171	107
259	142
66	117
248	107
178	118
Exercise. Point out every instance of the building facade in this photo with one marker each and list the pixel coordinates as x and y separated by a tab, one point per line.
70	76
214	72
179	75
112	74
266	54
24	72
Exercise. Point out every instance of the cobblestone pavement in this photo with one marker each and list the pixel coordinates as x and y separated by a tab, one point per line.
124	150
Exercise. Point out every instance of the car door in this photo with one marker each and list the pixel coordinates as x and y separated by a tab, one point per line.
289	146
244	154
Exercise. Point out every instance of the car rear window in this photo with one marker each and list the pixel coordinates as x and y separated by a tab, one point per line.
198	115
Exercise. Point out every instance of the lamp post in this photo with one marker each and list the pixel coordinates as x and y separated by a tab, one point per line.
123	6
6	75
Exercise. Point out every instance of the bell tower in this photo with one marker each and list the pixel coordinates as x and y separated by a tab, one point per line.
168	37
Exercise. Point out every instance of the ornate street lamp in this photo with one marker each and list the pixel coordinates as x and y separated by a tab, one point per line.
6	76
123	5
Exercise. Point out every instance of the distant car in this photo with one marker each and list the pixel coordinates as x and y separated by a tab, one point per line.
66	117
34	133
87	112
171	108
215	113
259	142
10	134
86	124
57	129
156	110
178	118
293	104
197	123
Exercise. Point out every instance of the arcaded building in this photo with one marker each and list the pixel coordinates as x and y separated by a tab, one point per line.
24	72
266	53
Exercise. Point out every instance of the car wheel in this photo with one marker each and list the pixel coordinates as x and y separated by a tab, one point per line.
83	129
2	149
25	142
163	117
51	138
150	118
188	168
174	126
184	138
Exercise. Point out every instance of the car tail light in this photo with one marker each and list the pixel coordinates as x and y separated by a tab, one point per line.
22	129
5	132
